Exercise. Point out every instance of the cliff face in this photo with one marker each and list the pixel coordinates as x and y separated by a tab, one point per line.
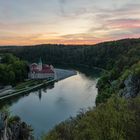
19	131
132	87
14	129
125	83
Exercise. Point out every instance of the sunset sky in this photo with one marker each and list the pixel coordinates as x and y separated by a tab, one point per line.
24	22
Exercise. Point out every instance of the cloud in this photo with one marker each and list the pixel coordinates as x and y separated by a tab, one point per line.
68	21
62	1
124	23
115	22
62	6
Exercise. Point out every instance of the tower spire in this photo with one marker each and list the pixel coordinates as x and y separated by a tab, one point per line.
40	64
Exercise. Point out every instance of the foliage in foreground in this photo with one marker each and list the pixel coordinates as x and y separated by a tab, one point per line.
118	119
16	129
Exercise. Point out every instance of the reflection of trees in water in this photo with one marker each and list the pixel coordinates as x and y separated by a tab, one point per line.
39	94
44	89
89	72
50	86
10	101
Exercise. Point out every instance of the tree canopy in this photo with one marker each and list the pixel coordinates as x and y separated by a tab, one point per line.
12	70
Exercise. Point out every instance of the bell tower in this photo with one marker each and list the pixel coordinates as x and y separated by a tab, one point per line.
40	64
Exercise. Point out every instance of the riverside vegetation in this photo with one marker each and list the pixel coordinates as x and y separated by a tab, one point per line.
117	115
12	70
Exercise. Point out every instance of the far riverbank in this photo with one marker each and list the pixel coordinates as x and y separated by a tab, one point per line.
30	85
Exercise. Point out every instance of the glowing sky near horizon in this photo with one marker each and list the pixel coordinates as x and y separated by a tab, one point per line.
24	22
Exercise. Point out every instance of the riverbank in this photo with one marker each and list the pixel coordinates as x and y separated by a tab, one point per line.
30	85
63	74
83	66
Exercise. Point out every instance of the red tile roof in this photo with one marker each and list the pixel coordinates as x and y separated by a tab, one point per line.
45	69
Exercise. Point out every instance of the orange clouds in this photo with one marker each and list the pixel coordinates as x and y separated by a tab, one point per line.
124	23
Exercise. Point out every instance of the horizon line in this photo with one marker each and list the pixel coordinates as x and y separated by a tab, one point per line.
28	45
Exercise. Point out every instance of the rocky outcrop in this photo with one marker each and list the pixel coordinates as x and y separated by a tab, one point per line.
132	86
14	129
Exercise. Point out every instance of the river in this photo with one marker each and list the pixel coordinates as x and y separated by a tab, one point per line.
46	107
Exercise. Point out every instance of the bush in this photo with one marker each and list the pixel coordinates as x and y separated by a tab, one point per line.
117	119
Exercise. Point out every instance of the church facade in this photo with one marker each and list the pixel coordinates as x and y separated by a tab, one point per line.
41	71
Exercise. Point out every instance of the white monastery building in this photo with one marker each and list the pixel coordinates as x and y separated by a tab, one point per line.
41	71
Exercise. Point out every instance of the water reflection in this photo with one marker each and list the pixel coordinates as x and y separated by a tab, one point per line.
54	103
12	100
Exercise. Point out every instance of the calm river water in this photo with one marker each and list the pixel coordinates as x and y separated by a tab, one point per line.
50	105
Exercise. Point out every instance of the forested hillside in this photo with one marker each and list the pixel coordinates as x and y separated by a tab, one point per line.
117	115
105	55
117	57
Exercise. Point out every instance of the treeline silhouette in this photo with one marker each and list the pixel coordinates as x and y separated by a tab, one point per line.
103	55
